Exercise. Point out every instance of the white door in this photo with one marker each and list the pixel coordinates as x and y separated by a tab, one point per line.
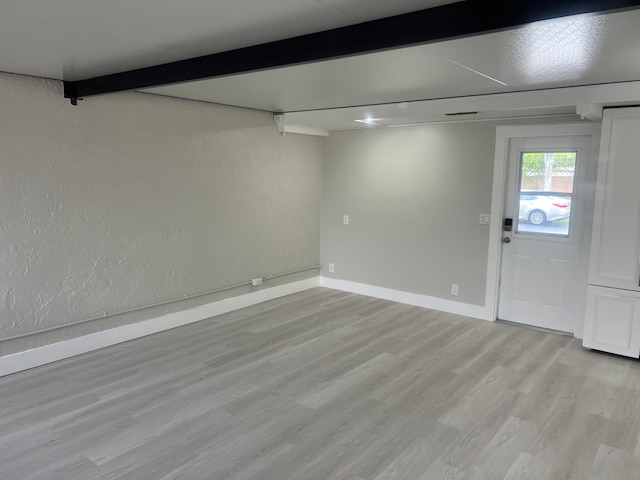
541	255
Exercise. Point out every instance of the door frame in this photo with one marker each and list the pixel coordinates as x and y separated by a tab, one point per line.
504	134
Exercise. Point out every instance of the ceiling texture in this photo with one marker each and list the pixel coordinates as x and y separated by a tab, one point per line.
475	68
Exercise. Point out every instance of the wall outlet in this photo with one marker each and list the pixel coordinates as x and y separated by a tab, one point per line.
485	219
332	268
454	289
256	281
345	219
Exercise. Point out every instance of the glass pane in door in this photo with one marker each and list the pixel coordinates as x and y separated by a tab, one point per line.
545	192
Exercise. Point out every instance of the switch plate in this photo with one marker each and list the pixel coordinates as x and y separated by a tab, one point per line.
485	219
332	268
454	289
345	220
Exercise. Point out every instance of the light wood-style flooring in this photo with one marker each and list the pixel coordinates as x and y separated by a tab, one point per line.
326	385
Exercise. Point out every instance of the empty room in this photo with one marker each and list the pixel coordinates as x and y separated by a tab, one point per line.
320	240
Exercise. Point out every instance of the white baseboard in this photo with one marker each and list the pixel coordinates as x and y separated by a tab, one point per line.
434	303
18	362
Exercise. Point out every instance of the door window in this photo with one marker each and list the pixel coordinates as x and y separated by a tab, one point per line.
545	191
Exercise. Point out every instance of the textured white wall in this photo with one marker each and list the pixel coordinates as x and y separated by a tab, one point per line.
131	199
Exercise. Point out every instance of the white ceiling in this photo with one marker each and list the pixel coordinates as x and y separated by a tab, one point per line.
584	50
383	77
77	39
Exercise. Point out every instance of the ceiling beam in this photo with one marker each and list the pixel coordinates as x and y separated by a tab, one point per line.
456	20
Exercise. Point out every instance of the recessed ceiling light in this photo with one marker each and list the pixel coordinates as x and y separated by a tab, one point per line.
370	121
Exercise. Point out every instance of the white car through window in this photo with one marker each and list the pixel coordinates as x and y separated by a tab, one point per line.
538	209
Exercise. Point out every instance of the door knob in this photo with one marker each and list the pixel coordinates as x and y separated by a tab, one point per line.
506	240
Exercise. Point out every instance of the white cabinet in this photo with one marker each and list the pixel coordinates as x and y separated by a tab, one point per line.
615	253
613	321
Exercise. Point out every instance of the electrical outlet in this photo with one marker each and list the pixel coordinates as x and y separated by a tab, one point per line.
256	281
485	219
345	219
332	268
454	289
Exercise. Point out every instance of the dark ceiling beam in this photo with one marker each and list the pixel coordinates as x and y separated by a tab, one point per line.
457	20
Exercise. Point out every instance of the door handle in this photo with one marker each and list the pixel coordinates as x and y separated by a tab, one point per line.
506	240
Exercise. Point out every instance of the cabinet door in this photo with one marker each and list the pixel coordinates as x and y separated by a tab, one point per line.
613	321
615	251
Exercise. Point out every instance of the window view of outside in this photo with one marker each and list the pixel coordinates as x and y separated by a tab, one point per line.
545	190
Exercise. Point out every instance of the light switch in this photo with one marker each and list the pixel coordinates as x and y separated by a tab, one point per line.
485	219
345	220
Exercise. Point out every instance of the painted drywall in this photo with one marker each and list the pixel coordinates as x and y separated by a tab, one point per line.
413	196
132	199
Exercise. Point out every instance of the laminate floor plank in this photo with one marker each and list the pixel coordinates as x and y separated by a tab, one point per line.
327	385
527	467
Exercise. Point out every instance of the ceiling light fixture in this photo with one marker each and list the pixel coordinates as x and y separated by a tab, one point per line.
370	121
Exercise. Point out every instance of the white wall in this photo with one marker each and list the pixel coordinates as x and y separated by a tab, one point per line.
131	199
414	196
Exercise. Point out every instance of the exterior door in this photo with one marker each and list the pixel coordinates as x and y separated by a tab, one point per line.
542	250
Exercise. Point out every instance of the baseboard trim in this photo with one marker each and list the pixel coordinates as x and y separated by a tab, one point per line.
425	301
36	357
